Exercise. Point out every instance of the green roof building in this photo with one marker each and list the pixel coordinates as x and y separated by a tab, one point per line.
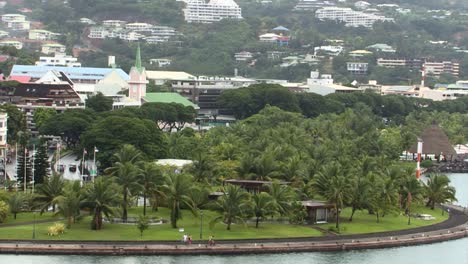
168	98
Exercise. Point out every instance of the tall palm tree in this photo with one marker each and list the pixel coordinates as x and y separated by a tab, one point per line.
281	196
332	184
150	179
438	190
69	202
234	205
102	197
49	190
262	206
176	188
411	191
126	174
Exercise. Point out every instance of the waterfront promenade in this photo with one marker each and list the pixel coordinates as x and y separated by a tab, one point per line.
455	227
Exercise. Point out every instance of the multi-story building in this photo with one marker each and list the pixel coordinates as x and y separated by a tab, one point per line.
11	43
357	68
138	26
16	22
392	63
329	50
243	56
40	34
114	23
202	90
53	48
31	96
307	5
350	17
58	60
199	11
438	68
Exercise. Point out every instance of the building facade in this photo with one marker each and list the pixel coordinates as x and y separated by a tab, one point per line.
199	11
350	17
438	68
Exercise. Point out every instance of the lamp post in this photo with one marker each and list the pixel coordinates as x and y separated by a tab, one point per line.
201	224
34	227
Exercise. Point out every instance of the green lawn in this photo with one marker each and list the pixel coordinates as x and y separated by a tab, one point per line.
191	225
366	223
29	217
362	223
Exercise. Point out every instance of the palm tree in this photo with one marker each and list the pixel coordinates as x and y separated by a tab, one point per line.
176	188
126	174
438	190
150	179
69	202
411	191
49	190
234	205
383	197
281	196
265	166
332	184
262	206
102	197
202	167
17	203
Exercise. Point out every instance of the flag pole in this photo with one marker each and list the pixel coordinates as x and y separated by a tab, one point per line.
94	163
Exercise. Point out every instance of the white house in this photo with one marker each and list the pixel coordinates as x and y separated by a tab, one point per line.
87	21
269	37
138	26
114	23
199	11
243	56
58	60
329	50
362	5
16	22
161	62
11	43
40	34
350	17
52	48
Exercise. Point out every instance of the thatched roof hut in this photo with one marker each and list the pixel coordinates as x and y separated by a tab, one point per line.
435	141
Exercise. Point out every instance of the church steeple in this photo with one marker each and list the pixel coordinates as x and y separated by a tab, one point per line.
137	82
138	59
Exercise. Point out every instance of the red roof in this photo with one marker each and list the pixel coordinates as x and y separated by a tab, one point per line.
21	79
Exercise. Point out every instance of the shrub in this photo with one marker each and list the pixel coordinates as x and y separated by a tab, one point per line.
4	209
426	163
56	229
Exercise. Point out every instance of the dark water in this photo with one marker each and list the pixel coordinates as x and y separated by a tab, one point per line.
440	253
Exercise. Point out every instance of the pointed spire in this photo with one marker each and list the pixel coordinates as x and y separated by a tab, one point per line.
138	59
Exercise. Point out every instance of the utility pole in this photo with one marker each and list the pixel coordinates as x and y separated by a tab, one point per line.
33	158
25	179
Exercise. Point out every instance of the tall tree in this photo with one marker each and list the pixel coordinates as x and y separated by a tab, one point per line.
438	190
41	164
101	197
69	202
176	188
411	192
151	180
233	206
99	103
127	174
262	206
23	168
332	184
50	189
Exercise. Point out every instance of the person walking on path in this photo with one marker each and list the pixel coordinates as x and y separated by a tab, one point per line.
184	239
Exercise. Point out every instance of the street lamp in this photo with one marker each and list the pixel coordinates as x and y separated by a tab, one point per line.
201	224
34	227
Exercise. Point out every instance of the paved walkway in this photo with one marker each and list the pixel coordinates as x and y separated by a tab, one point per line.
454	228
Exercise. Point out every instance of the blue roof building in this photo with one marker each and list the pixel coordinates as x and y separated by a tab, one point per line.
76	74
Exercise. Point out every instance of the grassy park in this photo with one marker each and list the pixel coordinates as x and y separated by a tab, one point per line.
362	223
